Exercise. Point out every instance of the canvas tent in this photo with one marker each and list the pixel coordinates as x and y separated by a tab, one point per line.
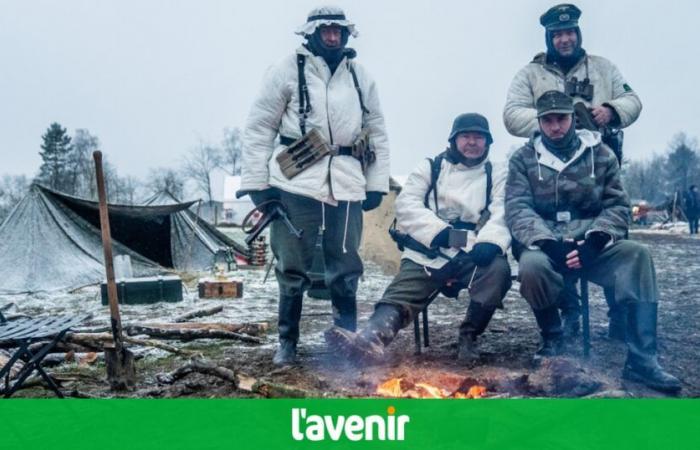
195	241
51	241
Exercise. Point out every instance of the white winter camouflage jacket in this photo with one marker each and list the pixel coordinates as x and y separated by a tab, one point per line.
538	77
335	112
461	195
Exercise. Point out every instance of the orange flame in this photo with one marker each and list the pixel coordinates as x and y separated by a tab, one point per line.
401	388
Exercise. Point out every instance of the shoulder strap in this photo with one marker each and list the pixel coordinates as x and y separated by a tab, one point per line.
435	167
485	214
304	103
351	68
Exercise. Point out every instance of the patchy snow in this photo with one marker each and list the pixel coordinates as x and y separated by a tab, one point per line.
665	228
507	345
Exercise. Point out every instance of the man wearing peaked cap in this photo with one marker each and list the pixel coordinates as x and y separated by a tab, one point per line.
318	95
458	193
569	214
591	80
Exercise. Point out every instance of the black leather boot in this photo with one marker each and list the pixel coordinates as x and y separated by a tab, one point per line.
345	312
552	335
476	321
288	326
367	346
642	364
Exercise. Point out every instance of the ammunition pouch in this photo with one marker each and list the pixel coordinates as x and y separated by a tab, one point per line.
302	153
362	151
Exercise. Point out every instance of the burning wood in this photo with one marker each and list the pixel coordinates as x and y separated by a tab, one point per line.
402	388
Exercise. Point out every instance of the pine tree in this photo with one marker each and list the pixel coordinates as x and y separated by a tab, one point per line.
55	151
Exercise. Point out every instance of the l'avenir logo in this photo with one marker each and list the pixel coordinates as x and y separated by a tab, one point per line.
313	427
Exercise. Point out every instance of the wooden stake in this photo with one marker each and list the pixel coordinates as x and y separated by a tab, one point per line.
120	361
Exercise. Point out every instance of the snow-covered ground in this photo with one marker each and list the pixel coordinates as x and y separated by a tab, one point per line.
507	345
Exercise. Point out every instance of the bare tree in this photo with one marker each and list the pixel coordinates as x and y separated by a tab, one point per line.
232	146
12	189
199	164
165	179
81	167
644	180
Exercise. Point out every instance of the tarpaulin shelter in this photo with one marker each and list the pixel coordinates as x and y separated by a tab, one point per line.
194	240
51	241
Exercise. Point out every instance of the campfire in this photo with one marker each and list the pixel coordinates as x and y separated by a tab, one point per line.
402	388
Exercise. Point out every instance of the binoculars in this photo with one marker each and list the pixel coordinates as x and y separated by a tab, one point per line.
576	88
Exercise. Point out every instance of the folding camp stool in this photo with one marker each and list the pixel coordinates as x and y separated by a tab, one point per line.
21	333
426	330
585	318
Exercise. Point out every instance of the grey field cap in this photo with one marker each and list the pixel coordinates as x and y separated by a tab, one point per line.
554	102
561	17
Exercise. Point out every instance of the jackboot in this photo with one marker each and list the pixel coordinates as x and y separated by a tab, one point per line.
366	347
617	317
642	365
476	321
570	311
345	312
288	327
552	335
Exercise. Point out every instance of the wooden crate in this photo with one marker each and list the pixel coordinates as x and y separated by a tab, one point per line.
213	288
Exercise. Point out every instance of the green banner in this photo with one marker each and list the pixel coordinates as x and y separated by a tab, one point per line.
418	424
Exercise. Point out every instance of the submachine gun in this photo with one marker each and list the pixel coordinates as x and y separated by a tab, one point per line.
270	210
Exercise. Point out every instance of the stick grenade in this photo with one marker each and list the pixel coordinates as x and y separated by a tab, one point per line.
120	361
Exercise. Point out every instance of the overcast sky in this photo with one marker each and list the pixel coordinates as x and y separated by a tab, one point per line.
151	78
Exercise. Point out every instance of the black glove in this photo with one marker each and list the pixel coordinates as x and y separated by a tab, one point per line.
557	251
260	197
442	239
373	200
484	253
591	247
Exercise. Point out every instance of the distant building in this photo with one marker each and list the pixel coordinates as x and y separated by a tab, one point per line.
234	209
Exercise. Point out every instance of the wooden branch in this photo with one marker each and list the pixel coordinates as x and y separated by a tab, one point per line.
185	334
252	329
276	390
198	365
55	359
199	313
96	341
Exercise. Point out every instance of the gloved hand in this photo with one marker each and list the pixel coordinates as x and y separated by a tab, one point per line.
591	247
483	253
373	200
557	251
260	197
442	239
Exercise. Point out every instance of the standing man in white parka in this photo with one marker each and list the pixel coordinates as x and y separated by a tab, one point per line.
607	102
324	104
